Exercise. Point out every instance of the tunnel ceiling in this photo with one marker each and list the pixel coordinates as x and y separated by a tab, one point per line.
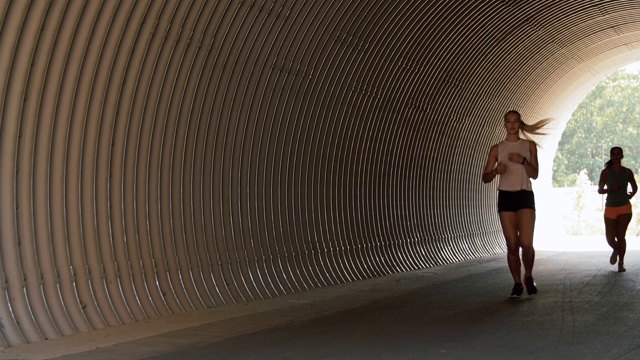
159	157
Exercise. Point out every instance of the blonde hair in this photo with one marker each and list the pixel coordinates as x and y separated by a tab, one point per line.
530	129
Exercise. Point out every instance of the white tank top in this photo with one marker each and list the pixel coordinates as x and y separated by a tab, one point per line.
515	178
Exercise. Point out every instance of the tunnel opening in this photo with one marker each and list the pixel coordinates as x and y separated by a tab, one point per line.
570	215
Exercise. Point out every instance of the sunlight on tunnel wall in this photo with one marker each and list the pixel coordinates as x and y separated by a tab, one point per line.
160	157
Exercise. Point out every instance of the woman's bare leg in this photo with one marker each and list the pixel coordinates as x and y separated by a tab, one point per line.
526	219
508	221
610	227
622	224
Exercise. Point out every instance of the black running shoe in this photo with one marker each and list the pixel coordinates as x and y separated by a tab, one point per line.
531	285
517	290
614	258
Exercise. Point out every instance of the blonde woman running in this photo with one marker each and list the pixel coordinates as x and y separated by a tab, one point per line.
516	161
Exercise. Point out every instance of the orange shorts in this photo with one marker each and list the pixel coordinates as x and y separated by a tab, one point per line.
612	212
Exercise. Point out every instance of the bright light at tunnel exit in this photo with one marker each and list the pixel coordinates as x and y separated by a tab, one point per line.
555	216
635	67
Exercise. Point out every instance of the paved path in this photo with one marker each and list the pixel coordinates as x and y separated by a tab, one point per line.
585	309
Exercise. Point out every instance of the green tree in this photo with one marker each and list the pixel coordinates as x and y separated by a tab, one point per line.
608	116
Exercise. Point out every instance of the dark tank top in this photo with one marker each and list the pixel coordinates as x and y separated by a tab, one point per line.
618	197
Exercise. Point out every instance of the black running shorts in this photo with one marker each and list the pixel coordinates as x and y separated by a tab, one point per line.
515	200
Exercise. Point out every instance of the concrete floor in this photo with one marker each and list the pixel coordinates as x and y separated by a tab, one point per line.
585	309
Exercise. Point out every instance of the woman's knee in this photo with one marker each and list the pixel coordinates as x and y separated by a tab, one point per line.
513	249
527	248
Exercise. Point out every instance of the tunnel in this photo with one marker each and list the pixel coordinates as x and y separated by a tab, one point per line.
169	156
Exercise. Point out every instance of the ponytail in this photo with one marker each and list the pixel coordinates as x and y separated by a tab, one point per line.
534	129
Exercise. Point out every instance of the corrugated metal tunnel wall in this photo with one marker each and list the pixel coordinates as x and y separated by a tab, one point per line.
166	156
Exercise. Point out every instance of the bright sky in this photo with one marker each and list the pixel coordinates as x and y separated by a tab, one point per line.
635	67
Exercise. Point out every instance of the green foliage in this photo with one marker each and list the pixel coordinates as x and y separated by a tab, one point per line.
608	116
